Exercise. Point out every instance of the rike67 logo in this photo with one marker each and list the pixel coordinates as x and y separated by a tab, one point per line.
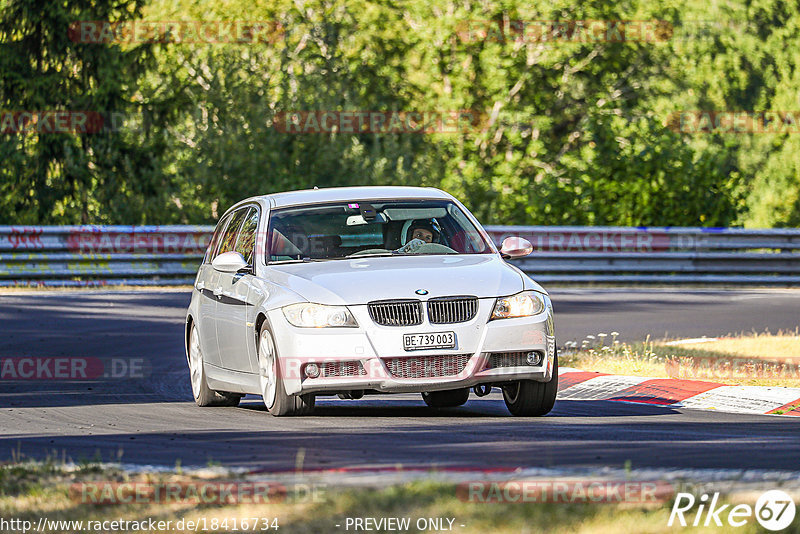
774	510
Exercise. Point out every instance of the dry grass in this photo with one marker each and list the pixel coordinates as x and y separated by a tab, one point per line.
766	345
745	360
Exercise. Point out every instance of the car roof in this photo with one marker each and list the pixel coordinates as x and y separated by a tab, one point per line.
343	194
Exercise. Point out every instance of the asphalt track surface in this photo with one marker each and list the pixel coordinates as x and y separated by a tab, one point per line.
153	421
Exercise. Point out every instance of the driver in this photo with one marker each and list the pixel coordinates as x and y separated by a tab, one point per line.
426	230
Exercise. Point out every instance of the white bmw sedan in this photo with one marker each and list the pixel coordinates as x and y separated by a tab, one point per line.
364	290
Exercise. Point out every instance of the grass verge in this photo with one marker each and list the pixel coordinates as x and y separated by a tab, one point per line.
32	491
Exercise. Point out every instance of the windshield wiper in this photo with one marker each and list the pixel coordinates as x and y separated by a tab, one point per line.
314	260
296	260
374	255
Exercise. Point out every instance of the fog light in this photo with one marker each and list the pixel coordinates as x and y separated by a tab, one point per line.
534	358
312	370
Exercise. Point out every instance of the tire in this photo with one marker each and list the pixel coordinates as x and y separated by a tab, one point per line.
446	399
203	395
527	398
276	400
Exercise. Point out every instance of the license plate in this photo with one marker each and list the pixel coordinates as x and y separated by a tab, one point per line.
435	340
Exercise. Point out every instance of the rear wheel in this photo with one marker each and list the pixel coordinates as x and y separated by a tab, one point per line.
529	398
275	398
446	399
203	395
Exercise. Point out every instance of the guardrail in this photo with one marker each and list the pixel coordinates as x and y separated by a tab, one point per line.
101	255
658	255
169	255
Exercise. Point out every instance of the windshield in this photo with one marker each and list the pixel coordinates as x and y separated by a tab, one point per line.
371	228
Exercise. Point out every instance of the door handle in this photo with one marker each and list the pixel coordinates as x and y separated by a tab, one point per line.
200	285
217	291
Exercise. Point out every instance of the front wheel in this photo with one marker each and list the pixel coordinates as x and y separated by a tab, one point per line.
275	398
446	399
528	398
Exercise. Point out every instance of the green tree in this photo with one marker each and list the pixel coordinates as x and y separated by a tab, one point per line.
63	178
576	131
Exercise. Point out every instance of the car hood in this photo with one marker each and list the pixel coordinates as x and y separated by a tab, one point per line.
361	280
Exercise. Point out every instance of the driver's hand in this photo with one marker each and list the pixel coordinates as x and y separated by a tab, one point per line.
411	246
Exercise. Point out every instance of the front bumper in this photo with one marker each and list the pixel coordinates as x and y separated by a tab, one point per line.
367	352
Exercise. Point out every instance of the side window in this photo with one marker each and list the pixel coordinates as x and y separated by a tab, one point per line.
212	247
231	232
247	236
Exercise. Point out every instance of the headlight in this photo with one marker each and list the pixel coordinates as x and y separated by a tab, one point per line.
308	315
519	305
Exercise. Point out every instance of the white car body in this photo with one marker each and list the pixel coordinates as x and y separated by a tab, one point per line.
230	309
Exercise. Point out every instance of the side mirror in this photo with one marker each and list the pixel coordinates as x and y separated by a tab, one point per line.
515	247
229	262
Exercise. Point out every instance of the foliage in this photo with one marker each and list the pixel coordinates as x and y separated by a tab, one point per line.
575	132
97	177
